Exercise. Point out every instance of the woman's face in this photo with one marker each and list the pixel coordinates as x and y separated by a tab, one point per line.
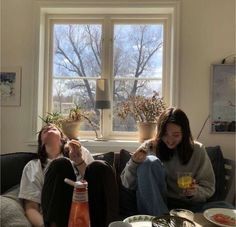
173	135
50	134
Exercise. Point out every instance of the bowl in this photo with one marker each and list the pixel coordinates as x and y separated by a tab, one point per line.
172	221
182	213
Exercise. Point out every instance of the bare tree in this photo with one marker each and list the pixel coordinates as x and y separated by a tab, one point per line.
78	53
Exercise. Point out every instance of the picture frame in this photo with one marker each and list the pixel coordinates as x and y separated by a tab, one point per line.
10	86
223	81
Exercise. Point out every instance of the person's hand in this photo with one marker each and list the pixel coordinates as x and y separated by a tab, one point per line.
139	155
189	192
75	153
153	145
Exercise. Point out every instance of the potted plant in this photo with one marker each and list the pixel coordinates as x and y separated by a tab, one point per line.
145	111
53	118
70	124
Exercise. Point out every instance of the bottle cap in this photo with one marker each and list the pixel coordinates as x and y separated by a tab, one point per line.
81	184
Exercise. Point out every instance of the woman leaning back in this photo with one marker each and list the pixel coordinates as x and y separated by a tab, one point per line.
47	199
152	169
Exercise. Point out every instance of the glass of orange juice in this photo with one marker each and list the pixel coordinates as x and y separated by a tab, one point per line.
184	179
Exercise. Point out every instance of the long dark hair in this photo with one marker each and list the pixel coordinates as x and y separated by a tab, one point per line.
185	147
41	151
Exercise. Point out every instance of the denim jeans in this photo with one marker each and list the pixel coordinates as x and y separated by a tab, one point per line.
151	187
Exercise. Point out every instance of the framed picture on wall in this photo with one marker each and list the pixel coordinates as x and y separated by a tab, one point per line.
10	86
223	98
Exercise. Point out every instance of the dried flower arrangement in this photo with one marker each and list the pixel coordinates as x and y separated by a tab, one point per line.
142	109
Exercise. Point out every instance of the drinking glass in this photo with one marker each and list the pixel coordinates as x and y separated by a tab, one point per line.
184	179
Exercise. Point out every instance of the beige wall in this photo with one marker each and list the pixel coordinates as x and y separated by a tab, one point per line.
207	34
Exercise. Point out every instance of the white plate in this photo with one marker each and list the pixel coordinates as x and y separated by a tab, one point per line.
140	220
210	212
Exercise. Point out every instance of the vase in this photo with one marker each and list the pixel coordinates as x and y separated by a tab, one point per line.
71	129
146	130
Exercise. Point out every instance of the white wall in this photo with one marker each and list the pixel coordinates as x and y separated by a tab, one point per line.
207	35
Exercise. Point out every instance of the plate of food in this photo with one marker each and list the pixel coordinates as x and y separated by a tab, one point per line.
221	216
140	220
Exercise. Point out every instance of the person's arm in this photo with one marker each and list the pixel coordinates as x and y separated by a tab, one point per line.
128	175
75	154
81	166
32	211
205	178
30	191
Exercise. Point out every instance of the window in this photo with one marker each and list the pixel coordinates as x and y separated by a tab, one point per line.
133	51
137	64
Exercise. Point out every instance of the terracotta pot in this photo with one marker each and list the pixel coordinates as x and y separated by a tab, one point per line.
71	129
146	130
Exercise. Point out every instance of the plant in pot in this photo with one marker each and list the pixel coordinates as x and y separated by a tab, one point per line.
53	118
70	124
145	111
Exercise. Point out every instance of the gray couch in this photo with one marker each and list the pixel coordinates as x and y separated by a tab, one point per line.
12	165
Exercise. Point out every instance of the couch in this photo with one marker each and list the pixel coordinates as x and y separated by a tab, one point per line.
12	165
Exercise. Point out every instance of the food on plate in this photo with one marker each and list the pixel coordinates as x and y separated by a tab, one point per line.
224	219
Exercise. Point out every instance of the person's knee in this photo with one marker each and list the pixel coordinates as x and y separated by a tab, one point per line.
150	163
60	167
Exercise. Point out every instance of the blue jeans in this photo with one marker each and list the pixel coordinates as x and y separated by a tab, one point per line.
151	187
151	191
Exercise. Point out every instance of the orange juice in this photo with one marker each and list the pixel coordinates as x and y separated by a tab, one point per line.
184	182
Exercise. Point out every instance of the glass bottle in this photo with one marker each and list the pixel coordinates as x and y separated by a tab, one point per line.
79	213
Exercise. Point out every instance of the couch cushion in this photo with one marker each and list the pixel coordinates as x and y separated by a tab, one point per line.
124	158
12	212
12	165
108	157
217	161
127	197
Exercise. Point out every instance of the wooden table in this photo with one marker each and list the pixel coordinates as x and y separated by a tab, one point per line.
200	220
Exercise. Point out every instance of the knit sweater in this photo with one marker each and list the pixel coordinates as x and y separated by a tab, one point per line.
199	165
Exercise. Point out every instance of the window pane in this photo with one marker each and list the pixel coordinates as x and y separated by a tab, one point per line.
76	54
138	54
122	90
138	50
68	92
77	50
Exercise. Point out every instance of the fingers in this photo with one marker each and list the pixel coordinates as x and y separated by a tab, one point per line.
139	156
74	142
74	150
191	190
193	184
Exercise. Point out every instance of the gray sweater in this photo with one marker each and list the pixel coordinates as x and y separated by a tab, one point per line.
199	165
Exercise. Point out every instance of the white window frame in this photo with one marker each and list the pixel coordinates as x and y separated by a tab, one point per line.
167	11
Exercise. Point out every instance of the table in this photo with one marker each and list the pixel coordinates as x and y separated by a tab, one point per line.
200	221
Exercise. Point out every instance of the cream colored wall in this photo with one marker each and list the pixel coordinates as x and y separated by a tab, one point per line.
207	34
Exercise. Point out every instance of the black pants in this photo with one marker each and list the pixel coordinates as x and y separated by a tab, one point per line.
102	191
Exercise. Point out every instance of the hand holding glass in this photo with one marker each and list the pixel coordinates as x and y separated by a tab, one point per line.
184	180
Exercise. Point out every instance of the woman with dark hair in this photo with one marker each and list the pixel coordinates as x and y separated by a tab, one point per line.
153	168
47	198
